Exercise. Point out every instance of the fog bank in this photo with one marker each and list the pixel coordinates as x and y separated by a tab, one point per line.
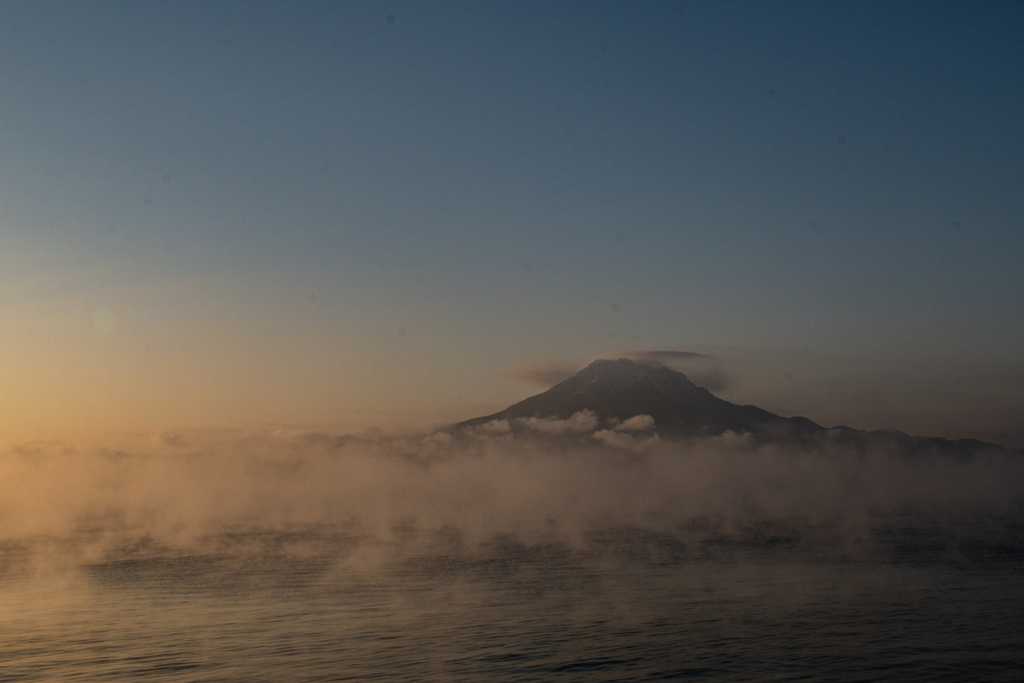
538	482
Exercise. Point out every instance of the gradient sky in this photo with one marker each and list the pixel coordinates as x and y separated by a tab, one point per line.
331	215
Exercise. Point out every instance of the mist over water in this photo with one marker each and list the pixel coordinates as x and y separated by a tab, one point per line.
551	482
540	549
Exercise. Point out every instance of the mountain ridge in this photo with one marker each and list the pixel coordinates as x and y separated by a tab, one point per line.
620	389
616	390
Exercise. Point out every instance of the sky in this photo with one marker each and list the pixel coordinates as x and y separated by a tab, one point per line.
227	216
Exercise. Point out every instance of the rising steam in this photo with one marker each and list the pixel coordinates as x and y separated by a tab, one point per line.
537	481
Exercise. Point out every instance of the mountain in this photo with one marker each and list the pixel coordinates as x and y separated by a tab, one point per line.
620	389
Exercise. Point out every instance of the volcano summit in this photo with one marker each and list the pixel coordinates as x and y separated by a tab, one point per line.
620	389
616	390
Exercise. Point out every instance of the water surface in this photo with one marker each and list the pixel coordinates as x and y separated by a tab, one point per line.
924	602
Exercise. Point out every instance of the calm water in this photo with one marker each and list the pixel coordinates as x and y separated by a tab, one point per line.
921	602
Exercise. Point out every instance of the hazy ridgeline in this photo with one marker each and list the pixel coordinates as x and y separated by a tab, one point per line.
536	485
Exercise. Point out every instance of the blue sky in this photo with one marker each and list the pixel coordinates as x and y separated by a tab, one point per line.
294	212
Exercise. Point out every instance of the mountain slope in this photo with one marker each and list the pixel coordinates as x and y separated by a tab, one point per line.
617	390
620	389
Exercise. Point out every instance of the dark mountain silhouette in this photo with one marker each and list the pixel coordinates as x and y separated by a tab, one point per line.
620	389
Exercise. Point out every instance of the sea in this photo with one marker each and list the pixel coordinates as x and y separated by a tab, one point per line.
933	605
503	563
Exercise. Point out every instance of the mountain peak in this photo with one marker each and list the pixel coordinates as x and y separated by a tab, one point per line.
623	367
617	390
620	389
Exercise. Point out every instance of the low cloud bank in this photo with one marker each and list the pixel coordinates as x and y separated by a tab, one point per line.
538	481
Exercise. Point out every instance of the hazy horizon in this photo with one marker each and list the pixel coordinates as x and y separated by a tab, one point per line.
223	216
